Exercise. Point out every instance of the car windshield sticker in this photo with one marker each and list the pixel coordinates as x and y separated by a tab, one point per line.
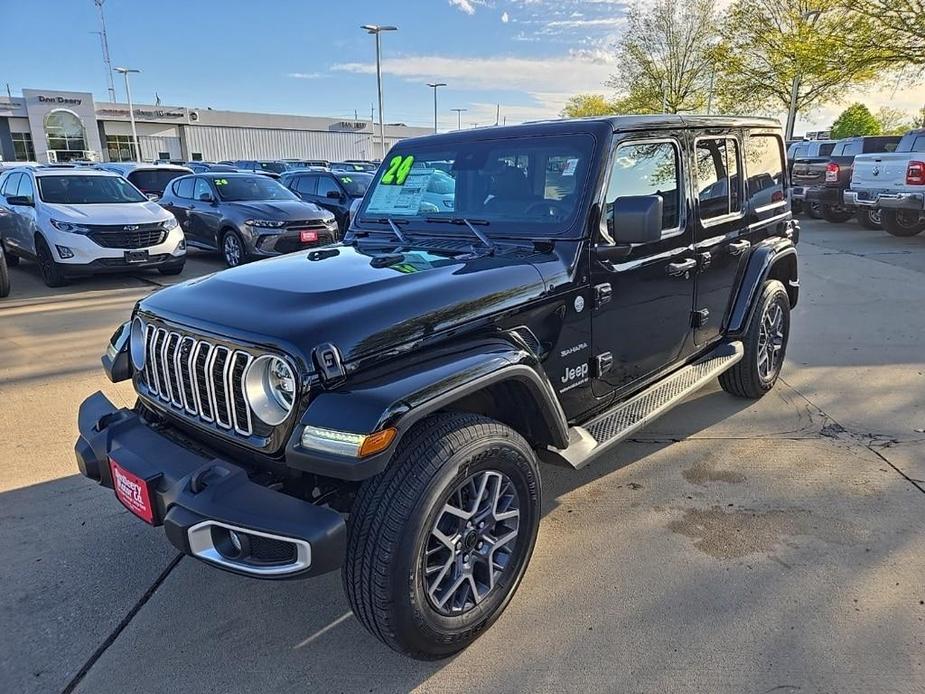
570	166
399	168
400	199
346	179
221	181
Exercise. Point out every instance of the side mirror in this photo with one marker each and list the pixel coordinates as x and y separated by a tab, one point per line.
21	200
334	194
635	219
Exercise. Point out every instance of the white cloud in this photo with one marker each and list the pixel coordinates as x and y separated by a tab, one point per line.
505	17
304	75
463	6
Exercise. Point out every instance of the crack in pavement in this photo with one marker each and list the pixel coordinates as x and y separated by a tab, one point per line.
120	627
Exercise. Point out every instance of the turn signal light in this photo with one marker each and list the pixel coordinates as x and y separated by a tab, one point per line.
378	442
915	174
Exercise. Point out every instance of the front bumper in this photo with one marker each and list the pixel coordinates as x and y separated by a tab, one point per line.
202	500
267	242
825	195
885	200
85	252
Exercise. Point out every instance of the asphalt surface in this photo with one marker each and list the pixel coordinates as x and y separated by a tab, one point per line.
774	546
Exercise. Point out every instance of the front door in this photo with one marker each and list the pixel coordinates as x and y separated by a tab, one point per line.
643	301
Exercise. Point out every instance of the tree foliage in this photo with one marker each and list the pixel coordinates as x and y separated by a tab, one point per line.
772	43
854	121
895	29
582	105
666	57
894	121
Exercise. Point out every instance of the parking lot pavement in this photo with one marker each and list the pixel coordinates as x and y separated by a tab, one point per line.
730	547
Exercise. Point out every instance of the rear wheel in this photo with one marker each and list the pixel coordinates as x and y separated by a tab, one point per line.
837	214
813	210
438	543
902	222
869	218
765	345
233	249
52	271
4	275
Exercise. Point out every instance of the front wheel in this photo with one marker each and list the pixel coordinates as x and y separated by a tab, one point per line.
52	271
171	270
765	346
902	222
438	543
869	218
233	249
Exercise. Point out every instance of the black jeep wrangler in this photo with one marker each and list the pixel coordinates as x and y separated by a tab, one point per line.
380	405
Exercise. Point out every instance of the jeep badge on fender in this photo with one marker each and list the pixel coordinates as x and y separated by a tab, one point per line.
503	296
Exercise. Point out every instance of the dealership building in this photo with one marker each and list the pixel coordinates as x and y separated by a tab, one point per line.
45	125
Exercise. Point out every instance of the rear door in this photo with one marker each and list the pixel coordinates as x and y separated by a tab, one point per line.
205	215
26	227
643	301
721	234
11	219
180	203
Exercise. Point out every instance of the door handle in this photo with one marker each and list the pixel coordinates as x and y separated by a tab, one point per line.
739	247
682	267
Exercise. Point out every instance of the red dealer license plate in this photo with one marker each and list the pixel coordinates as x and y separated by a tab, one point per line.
308	236
133	491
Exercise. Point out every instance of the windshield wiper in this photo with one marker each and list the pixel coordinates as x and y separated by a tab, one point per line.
392	224
487	242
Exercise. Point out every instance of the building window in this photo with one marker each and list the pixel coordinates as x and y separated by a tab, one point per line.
23	149
65	132
196	156
120	148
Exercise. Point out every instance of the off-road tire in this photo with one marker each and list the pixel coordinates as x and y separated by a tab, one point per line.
745	379
902	222
390	525
4	275
837	214
869	218
52	272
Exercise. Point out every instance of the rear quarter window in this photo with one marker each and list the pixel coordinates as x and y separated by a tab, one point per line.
764	166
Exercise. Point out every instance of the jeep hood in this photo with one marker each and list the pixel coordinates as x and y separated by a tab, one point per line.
361	302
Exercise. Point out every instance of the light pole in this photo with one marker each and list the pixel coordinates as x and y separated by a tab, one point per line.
124	71
459	112
812	17
434	85
377	29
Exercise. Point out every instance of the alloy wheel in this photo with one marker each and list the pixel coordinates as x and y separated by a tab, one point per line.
232	250
770	341
472	542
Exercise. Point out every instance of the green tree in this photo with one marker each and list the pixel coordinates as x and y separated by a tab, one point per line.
895	29
776	47
582	105
854	121
667	57
894	121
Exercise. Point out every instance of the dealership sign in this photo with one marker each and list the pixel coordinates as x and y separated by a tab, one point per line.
143	113
59	100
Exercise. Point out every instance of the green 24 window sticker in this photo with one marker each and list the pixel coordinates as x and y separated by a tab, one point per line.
399	168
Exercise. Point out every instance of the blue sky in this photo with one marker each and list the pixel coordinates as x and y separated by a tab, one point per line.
311	57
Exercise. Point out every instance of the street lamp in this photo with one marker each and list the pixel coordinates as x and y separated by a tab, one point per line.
434	85
377	29
459	112
812	17
124	71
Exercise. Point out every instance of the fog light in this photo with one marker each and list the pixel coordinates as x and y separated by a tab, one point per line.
235	540
64	252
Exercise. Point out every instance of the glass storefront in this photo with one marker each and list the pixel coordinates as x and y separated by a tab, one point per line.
65	134
23	149
120	148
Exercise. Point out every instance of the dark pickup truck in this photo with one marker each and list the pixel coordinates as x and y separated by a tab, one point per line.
381	405
831	178
801	156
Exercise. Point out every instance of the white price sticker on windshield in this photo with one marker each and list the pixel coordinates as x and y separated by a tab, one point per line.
403	199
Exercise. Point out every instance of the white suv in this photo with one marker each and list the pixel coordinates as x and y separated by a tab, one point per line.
80	221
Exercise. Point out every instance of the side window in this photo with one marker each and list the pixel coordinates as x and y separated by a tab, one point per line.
12	183
918	144
717	163
183	188
25	189
826	150
764	164
307	185
653	168
202	188
326	184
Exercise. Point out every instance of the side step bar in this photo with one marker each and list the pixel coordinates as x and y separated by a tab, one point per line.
618	423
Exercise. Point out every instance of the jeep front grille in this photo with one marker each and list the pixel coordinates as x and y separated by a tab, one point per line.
203	380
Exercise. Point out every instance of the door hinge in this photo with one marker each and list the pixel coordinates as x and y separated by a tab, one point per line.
601	364
700	318
602	294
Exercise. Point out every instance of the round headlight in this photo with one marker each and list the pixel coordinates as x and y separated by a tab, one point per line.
270	389
137	345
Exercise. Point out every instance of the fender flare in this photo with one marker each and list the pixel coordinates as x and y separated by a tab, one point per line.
761	264
422	385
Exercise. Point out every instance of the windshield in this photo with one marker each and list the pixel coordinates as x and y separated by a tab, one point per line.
526	186
241	188
355	184
274	166
87	190
153	180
